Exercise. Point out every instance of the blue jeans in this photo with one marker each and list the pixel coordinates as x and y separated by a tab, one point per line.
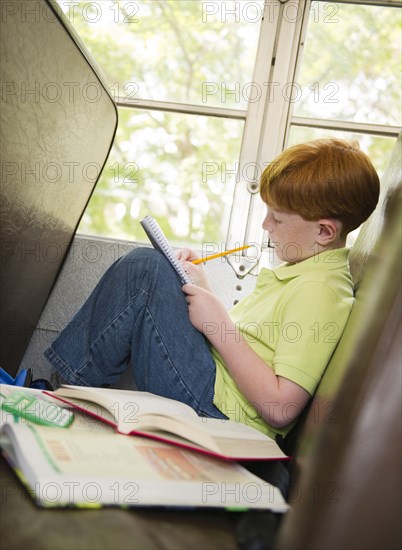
138	315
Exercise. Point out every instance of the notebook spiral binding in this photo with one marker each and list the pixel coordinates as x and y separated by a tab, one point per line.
160	242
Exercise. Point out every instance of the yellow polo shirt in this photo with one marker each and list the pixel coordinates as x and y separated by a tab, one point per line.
293	320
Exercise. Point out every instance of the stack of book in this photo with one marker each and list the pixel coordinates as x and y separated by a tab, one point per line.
128	448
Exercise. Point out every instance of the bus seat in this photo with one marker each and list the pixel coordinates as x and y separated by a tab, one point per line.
362	253
372	228
58	122
346	474
328	438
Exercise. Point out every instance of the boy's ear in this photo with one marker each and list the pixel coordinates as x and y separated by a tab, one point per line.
330	231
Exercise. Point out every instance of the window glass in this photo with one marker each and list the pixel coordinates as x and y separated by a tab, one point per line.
378	148
173	50
179	168
351	66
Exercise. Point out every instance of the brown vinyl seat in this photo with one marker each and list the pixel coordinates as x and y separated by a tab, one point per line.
346	490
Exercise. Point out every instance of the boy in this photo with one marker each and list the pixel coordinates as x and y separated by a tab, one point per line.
261	362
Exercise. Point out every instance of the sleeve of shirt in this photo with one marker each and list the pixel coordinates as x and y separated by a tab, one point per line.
311	324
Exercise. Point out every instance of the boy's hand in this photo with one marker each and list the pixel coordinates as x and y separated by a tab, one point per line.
196	272
187	255
207	313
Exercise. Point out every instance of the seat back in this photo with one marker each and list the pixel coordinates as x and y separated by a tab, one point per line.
58	122
347	479
322	407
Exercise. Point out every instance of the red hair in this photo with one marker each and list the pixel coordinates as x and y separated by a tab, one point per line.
324	178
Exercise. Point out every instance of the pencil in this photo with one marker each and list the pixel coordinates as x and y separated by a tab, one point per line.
213	256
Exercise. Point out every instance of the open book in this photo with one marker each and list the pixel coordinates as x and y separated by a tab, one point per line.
167	420
89	465
160	242
70	467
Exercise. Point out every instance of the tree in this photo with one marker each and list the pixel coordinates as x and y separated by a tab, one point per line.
180	168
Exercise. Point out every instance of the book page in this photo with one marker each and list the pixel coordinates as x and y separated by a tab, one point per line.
63	466
125	406
144	413
229	429
74	453
81	420
226	438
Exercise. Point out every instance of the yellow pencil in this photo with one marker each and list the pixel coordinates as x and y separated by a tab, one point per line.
213	256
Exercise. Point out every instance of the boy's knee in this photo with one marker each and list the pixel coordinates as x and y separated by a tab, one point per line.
147	265
146	257
139	252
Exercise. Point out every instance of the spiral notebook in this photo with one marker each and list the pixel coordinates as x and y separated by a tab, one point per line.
160	242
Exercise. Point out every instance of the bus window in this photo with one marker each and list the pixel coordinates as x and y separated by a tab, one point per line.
210	92
349	83
181	73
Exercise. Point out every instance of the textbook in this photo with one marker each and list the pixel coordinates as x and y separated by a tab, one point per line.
170	421
160	242
69	467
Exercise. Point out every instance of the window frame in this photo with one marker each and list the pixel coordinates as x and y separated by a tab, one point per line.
267	122
245	224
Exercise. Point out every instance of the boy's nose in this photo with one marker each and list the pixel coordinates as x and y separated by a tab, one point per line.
266	225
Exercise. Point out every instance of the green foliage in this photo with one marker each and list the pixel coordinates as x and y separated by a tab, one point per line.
351	71
378	148
177	167
352	64
165	51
